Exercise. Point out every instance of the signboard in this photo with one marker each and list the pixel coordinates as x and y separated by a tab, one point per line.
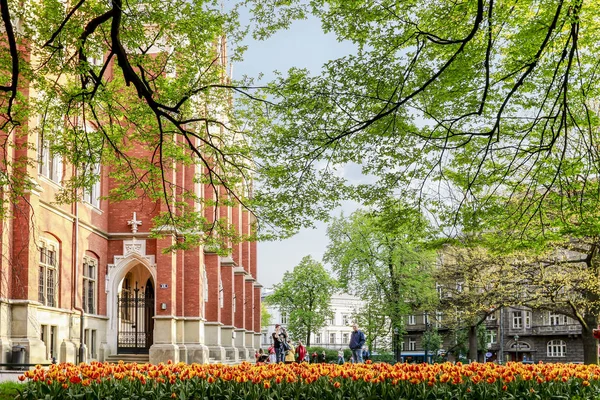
164	285
488	354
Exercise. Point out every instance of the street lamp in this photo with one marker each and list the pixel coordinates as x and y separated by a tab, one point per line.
517	347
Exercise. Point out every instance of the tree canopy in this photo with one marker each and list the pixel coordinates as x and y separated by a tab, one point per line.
453	103
385	258
304	295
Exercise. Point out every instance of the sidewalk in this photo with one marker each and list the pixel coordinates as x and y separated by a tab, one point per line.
8	375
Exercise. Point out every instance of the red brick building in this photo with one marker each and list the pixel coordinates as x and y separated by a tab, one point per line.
87	277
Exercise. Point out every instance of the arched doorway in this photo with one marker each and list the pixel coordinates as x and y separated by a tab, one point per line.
135	310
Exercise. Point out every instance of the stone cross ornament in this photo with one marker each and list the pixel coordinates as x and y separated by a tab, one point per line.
134	223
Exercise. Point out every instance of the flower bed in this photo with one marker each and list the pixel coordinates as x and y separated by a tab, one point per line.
313	381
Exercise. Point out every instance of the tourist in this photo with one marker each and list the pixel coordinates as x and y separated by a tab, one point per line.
357	341
280	342
300	351
290	353
340	356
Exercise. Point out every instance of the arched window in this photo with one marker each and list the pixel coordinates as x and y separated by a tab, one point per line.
557	348
204	289
48	272
221	297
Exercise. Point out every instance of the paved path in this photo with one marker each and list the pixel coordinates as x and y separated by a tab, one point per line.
6	375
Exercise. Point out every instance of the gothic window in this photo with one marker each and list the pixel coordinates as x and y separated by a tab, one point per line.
221	297
90	273
48	273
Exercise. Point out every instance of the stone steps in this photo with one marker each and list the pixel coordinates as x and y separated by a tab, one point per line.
128	358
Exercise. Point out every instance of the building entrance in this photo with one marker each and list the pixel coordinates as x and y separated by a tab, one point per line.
135	308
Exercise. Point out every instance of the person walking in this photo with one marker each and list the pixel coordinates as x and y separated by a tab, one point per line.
280	342
341	356
300	351
357	341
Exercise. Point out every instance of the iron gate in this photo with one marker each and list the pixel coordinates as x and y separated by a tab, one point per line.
136	322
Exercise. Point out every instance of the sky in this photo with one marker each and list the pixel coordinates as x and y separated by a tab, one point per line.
304	45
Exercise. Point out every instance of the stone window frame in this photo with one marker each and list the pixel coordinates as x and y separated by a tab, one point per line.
90	282
48	270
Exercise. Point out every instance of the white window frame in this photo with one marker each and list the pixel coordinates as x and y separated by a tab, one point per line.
49	165
332	337
527	319
556	348
412	319
318	337
517	319
412	344
555	319
491	336
459	287
438	318
345	319
92	195
345	338
283	317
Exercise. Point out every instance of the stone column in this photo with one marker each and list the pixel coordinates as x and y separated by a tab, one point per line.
240	312
227	329
249	317
193	322
212	326
26	331
165	346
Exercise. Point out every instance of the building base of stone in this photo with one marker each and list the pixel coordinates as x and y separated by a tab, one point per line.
164	353
217	353
197	354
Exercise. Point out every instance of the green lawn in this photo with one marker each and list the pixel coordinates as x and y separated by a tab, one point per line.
8	390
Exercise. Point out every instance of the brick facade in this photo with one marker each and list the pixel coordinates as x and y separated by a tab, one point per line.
192	291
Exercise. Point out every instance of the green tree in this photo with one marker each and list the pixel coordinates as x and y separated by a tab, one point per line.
136	86
431	341
265	316
454	101
373	320
382	256
304	294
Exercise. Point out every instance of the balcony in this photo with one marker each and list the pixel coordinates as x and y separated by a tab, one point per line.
573	329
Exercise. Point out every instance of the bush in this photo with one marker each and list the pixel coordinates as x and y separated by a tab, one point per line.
331	355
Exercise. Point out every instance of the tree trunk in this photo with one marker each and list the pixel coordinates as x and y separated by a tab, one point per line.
473	343
590	344
307	338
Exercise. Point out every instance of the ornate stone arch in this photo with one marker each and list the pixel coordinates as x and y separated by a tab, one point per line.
134	254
